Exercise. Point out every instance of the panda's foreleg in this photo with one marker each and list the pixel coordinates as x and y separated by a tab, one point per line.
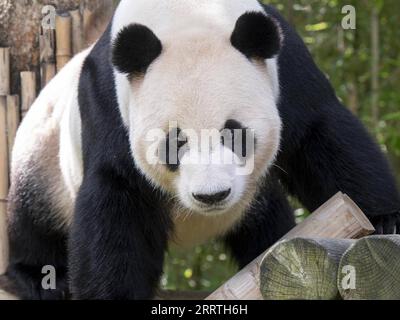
118	240
269	218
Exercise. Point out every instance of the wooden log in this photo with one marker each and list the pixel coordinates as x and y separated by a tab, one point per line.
13	120
3	185
4	71
47	56
339	218
302	269
63	39
77	31
375	262
28	90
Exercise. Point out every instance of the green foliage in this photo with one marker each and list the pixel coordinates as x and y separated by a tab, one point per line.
346	58
200	269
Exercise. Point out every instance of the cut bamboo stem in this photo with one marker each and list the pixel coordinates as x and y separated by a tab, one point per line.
375	263
302	269
339	218
28	90
63	39
77	31
47	56
4	71
3	185
13	120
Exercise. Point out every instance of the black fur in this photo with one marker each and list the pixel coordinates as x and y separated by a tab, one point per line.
134	49
35	241
325	148
122	224
256	36
268	220
121	229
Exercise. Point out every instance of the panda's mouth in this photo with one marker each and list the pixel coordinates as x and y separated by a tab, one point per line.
214	209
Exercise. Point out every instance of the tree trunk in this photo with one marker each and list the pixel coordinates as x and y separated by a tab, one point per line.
20	23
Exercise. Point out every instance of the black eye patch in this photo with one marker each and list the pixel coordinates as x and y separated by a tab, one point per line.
171	148
236	137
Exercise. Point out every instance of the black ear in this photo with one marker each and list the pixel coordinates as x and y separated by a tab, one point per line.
257	35
134	49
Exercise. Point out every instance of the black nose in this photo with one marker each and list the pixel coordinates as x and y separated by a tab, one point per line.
214	198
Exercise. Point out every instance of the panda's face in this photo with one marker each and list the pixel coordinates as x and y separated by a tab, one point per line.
203	119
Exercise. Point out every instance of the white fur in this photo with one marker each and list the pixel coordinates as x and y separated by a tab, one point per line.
49	140
170	17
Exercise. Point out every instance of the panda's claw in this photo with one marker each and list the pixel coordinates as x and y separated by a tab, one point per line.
398	224
387	224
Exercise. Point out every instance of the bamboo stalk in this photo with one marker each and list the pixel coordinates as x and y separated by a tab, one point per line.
77	31
13	120
4	71
96	16
28	90
63	39
47	56
339	218
376	269
3	185
302	269
88	17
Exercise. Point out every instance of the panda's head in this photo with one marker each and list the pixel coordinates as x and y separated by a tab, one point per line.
200	107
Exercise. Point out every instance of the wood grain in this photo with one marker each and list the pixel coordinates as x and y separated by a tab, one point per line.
302	269
376	262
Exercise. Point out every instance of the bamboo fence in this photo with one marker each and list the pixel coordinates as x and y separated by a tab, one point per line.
57	47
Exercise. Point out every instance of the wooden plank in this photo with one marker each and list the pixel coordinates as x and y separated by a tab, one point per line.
47	56
339	218
28	90
63	39
3	185
13	121
4	71
77	31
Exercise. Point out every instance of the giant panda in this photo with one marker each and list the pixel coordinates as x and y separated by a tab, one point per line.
86	199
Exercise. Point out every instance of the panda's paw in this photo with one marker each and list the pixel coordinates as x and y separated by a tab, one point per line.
387	224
